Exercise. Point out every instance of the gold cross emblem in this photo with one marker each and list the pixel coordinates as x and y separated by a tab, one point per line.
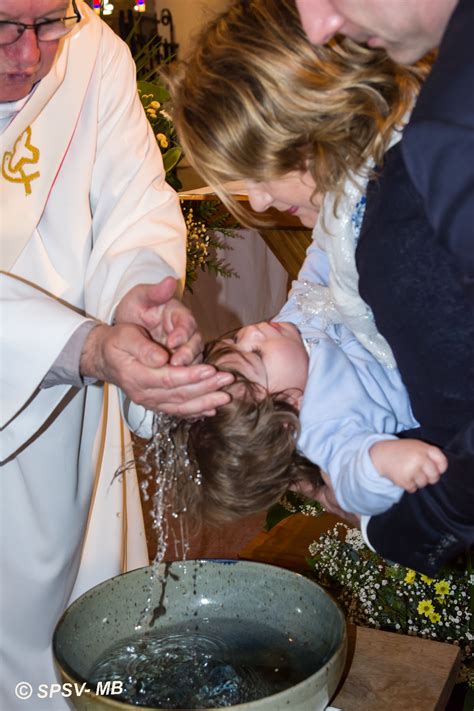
17	162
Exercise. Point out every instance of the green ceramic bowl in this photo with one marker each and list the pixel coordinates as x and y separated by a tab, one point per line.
196	591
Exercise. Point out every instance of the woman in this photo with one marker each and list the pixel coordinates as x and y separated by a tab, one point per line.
255	101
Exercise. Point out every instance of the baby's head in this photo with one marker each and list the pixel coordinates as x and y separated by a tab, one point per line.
269	354
246	454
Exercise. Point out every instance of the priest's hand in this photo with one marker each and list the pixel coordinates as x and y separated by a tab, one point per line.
326	497
125	355
166	319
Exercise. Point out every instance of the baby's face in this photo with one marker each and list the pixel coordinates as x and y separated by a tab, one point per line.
271	354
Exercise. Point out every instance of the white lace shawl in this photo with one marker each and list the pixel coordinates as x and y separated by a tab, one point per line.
337	235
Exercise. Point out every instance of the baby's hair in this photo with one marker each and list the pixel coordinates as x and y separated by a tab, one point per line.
255	100
245	454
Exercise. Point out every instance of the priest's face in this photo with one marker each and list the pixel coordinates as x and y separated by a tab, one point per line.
26	61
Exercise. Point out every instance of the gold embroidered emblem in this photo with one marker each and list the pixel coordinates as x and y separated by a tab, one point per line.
15	163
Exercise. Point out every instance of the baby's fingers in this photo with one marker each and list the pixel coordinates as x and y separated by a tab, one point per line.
438	458
430	471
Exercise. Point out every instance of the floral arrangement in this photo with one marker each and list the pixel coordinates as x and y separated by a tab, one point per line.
206	224
205	237
153	96
376	593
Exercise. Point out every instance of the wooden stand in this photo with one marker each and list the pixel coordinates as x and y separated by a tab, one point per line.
384	671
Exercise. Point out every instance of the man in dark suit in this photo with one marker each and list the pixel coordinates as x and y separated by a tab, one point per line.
415	258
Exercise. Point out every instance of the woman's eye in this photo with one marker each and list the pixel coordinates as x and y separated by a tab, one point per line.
258	352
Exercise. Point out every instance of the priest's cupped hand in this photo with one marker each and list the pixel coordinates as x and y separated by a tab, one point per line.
152	353
166	319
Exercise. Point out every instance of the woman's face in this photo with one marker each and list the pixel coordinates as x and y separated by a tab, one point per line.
292	193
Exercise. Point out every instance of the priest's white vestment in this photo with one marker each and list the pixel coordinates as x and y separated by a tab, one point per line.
85	216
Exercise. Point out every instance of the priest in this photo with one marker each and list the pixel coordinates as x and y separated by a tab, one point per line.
92	250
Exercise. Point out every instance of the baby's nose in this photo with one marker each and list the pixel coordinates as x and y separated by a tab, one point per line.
248	335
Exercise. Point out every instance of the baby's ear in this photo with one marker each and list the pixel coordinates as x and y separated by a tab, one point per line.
299	400
294	397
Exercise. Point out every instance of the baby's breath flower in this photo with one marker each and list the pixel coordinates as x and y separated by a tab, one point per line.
165	115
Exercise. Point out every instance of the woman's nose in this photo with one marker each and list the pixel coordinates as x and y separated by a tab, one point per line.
259	198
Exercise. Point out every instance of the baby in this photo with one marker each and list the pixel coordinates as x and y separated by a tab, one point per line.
307	395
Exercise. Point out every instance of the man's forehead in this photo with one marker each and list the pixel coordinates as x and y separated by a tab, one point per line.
32	8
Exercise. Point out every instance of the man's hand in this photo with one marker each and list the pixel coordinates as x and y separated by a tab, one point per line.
409	463
166	319
126	356
326	497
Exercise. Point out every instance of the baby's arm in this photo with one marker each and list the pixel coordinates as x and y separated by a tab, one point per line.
409	463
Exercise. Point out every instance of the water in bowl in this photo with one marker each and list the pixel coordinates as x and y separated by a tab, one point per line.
211	664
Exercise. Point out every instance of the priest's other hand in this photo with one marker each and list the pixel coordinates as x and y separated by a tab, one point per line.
166	319
326	497
125	355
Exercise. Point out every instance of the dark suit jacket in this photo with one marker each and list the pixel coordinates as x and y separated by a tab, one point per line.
416	263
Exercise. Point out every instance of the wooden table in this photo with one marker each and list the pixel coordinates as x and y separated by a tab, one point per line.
384	671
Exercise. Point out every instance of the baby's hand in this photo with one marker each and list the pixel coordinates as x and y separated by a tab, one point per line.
409	463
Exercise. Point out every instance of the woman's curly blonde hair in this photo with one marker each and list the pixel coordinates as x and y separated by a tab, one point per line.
255	100
245	456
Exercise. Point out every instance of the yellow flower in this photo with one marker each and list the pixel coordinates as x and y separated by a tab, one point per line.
410	576
425	607
435	617
162	140
426	579
442	588
155	105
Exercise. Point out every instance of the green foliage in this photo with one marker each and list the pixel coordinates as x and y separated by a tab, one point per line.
153	96
206	223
